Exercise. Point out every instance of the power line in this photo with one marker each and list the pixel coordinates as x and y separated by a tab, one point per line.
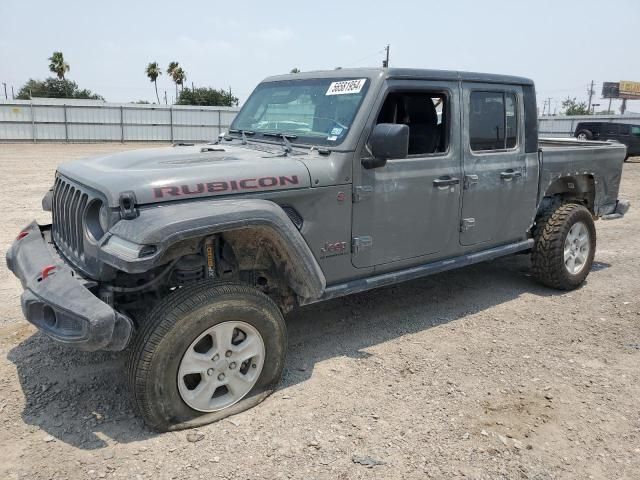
366	58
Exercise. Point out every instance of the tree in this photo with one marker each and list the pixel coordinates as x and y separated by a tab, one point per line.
207	96
570	106
179	76
55	88
173	66
57	65
153	71
295	70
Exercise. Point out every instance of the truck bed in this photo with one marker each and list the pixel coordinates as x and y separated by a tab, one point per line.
600	161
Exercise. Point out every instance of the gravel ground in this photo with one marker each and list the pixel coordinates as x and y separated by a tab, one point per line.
476	373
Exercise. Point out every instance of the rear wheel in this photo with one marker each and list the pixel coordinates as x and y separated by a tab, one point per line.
565	244
206	352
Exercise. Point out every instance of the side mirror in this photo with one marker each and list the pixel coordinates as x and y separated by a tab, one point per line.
387	140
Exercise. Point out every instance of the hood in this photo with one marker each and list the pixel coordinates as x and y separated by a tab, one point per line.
182	172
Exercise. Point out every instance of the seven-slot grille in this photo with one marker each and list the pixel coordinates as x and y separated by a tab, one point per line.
69	205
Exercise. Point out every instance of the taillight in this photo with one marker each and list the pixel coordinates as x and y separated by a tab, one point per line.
22	234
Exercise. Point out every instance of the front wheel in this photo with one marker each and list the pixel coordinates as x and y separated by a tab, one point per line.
565	244
584	135
206	352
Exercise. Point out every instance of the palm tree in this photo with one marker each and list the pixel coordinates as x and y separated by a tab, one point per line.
153	71
57	65
173	66
179	76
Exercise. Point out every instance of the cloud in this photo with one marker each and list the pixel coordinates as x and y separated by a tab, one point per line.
273	35
347	38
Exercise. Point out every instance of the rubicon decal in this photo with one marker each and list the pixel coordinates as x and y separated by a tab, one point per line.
225	186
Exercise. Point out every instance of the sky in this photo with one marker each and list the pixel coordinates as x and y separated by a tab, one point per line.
561	45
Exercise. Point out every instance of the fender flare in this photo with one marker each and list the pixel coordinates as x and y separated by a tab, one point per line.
164	225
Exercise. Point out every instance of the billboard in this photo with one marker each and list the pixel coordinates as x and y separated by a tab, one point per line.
630	90
610	90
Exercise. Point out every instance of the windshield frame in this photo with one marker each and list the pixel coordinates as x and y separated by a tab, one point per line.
297	138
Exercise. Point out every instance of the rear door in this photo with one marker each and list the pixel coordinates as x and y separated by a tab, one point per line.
499	193
409	210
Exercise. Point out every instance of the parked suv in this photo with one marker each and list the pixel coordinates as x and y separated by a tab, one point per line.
625	133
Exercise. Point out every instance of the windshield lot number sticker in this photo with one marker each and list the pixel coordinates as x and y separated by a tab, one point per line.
346	87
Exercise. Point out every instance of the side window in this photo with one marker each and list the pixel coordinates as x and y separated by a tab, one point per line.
493	121
611	129
426	115
635	131
512	121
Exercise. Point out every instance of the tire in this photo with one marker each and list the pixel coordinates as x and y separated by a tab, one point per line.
584	135
550	265
169	335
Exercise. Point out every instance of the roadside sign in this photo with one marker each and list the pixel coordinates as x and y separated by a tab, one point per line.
629	90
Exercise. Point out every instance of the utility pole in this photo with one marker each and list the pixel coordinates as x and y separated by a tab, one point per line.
385	63
165	97
623	107
13	95
590	92
5	91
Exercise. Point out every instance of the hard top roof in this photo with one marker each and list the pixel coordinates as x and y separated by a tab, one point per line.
405	73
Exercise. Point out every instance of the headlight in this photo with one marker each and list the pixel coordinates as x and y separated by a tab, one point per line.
103	218
96	220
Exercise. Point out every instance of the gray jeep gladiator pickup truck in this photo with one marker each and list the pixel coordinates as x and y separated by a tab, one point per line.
326	184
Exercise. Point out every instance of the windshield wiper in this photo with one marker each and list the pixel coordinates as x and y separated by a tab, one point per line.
239	130
243	133
285	139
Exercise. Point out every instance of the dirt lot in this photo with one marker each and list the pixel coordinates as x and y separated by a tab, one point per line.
477	373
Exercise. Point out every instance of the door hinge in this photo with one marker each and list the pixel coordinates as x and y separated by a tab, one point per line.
467	224
359	243
361	191
469	180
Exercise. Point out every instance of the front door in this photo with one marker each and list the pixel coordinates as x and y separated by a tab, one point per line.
499	193
408	211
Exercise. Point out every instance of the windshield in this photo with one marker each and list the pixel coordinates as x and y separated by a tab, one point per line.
316	111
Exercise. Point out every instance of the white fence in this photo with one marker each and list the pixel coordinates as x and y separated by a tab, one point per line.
53	121
561	126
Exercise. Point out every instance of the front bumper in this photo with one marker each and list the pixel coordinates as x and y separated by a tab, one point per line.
58	300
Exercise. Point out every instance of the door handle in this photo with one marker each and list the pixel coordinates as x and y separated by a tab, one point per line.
510	174
445	181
